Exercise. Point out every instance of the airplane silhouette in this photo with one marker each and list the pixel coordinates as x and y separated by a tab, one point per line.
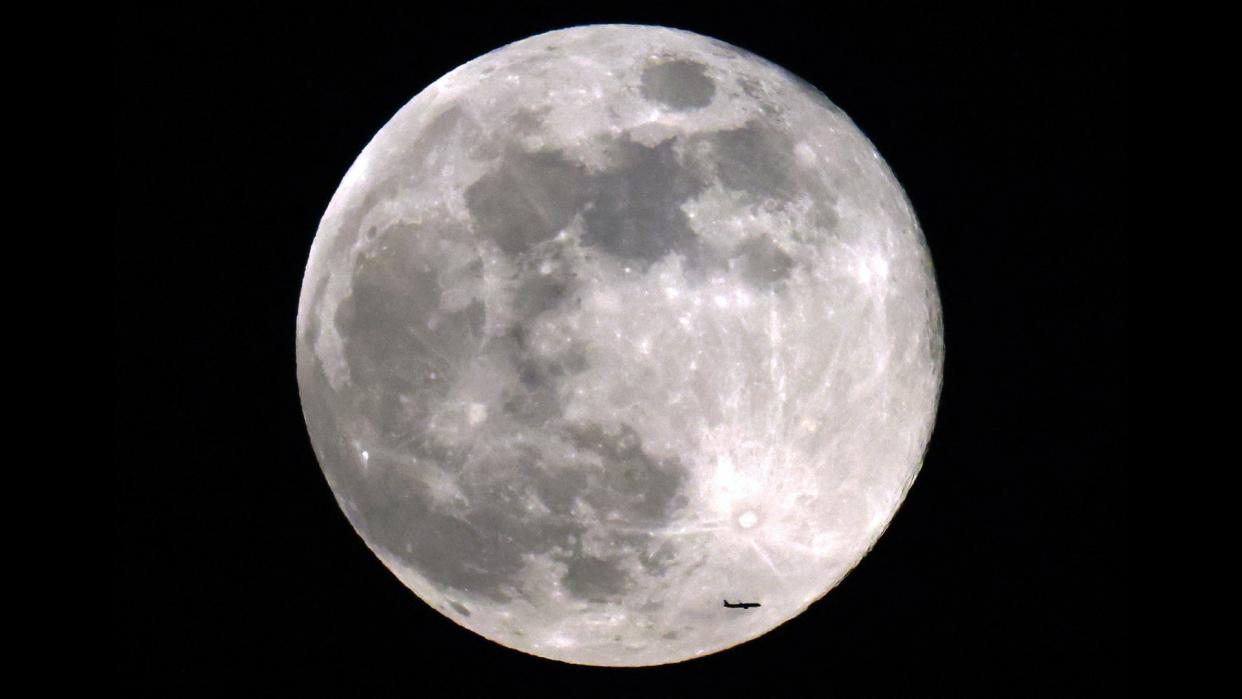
741	605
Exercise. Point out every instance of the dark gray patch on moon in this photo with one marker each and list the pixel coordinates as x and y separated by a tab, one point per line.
545	282
392	354
756	159
762	263
595	579
678	84
528	199
633	483
459	554
535	400
634	210
397	514
631	211
558	492
477	545
537	292
636	214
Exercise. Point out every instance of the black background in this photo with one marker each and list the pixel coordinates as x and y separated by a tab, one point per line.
1005	571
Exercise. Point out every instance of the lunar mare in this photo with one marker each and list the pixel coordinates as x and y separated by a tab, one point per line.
611	324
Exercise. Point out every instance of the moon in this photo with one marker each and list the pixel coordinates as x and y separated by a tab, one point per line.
609	326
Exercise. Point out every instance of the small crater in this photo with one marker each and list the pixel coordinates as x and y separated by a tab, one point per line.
461	609
679	84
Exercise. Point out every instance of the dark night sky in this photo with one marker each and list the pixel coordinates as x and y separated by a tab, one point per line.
1005	571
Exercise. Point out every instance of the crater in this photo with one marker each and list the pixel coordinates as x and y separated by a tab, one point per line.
680	84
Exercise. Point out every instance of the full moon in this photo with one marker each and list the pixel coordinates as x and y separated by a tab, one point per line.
613	325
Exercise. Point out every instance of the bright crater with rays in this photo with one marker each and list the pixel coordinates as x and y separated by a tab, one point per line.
610	325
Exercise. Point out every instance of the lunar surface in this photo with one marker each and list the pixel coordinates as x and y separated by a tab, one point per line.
611	325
